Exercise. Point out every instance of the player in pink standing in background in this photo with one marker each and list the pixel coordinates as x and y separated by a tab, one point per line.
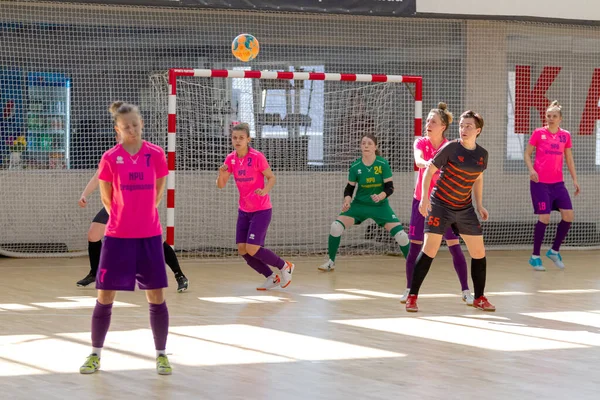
132	181
426	148
249	168
548	191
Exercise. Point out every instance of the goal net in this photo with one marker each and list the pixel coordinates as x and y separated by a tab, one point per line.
308	124
62	64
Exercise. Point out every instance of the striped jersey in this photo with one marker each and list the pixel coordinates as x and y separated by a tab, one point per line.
460	168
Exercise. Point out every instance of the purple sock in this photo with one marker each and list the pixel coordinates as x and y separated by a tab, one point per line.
538	237
411	260
269	258
159	322
258	265
100	323
561	234
460	265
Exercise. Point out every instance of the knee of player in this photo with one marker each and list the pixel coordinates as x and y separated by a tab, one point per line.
242	251
544	218
568	215
252	249
400	236
337	229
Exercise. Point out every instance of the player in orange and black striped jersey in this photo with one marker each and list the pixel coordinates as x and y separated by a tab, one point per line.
457	193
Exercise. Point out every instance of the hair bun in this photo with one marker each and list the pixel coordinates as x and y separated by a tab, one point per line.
442	105
114	107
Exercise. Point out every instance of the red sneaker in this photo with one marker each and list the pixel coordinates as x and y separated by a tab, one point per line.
482	303
411	303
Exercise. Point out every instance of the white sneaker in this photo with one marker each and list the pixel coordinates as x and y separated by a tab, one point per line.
286	274
468	298
327	266
405	296
271	283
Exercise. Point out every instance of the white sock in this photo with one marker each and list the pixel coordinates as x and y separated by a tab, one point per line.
97	351
535	257
553	252
160	353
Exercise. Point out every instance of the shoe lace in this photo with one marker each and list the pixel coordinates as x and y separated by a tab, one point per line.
162	361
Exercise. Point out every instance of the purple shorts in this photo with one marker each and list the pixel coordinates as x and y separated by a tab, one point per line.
252	227
548	197
417	225
124	261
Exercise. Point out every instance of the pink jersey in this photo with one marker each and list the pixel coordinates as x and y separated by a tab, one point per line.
248	174
549	153
133	212
429	152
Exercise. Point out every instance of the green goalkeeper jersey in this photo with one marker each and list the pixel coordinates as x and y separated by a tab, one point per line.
369	179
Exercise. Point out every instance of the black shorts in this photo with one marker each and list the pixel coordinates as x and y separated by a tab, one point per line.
462	222
101	217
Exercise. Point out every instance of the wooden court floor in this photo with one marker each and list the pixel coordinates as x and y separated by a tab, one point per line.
341	335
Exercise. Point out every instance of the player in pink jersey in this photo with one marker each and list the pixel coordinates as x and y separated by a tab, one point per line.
548	191
249	168
96	233
132	181
426	148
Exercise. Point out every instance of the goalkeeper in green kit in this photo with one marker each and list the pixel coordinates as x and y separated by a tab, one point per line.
373	176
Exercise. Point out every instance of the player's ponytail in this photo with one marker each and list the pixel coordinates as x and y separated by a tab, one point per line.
118	108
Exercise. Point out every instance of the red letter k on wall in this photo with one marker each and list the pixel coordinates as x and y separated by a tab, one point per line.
526	97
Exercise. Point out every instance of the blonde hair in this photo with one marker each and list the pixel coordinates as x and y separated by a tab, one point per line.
118	108
445	115
555	106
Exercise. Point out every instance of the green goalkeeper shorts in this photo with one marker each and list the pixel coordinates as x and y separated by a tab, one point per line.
382	214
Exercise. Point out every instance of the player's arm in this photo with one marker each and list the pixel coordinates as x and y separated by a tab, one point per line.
223	176
106	194
478	197
527	157
270	176
419	160
89	189
571	167
161	183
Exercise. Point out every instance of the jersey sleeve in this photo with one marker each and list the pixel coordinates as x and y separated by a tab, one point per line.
535	137
352	175
161	166
569	143
485	160
105	172
387	170
262	163
228	163
419	144
443	156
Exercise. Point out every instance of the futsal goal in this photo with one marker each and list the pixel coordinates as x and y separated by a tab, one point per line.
308	124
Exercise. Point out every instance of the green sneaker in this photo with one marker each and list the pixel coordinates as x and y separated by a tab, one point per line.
91	365
163	367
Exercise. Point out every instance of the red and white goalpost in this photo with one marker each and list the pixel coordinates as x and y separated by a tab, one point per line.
175	74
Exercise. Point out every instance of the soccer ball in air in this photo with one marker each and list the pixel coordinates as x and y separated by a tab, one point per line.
245	47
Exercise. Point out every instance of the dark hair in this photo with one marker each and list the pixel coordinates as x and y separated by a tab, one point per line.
445	115
555	106
118	108
242	126
374	139
478	118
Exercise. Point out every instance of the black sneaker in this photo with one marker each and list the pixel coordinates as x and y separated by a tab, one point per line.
182	283
89	279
